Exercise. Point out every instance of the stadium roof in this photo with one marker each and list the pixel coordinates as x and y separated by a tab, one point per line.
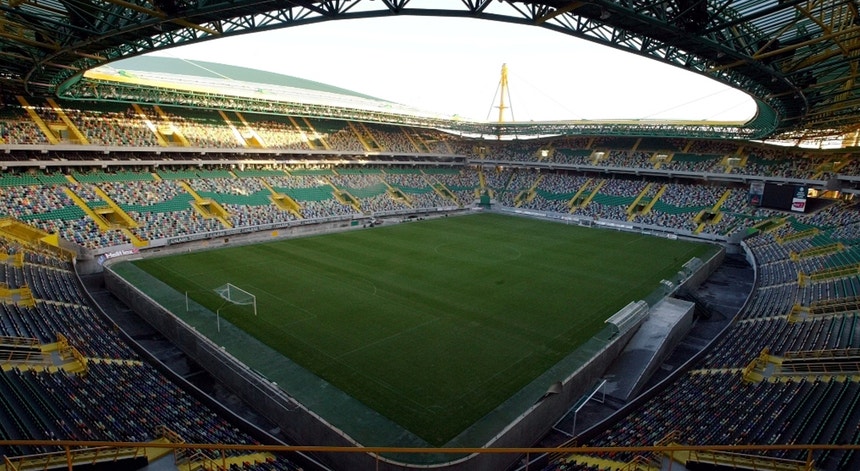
219	74
798	59
252	84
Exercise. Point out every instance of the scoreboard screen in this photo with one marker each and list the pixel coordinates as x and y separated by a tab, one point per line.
776	196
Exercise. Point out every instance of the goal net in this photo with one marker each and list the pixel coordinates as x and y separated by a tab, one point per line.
233	294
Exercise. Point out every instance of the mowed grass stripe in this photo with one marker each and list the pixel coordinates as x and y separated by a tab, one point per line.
433	323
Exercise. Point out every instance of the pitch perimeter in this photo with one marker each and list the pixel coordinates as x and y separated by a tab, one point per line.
432	324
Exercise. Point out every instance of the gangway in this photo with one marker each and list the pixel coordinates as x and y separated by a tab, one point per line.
253	139
43	126
631	210
590	196
415	140
344	197
79	137
713	215
527	196
150	125
169	131
441	189
283	201
207	207
396	194
572	203
365	137
233	129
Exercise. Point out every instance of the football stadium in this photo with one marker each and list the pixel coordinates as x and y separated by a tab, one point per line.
208	266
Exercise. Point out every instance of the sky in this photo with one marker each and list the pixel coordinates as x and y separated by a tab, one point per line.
452	66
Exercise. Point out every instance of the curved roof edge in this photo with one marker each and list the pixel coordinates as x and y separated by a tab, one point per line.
796	60
116	88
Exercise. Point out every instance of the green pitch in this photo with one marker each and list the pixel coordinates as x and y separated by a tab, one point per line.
432	324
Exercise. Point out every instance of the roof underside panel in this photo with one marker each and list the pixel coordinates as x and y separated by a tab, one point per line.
798	59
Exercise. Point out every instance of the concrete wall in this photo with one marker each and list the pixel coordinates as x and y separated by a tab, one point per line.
91	261
614	224
705	271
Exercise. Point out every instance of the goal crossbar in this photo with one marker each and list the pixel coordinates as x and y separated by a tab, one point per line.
233	294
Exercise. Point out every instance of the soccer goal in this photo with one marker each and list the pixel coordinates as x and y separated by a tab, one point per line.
231	294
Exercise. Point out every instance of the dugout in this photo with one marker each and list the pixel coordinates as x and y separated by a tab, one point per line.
628	318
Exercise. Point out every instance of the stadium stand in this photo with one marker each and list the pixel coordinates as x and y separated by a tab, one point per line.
105	391
746	389
713	403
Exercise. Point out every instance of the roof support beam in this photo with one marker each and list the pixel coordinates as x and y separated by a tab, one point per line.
791	47
558	11
161	15
780	52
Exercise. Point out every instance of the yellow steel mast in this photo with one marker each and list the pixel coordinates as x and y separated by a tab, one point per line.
503	90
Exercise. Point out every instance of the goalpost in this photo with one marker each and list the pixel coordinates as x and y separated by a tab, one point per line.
231	294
